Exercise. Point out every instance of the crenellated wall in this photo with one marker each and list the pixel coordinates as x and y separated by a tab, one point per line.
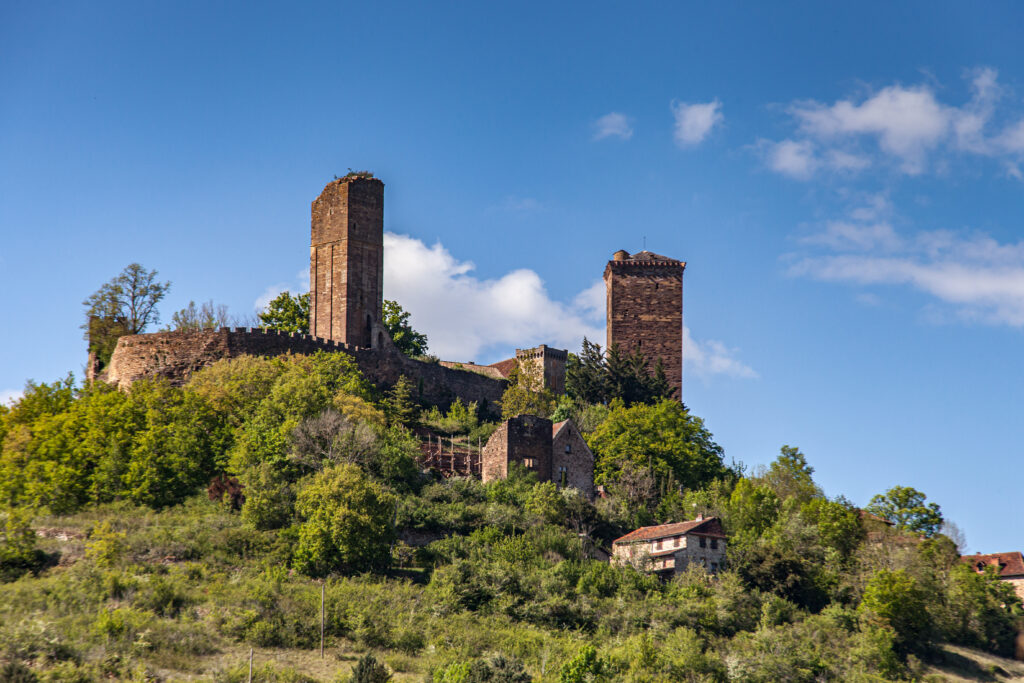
176	355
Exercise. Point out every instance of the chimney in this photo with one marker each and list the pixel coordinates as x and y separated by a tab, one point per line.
700	516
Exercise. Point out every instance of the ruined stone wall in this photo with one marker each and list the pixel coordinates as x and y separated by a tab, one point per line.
570	451
525	439
176	355
346	260
645	311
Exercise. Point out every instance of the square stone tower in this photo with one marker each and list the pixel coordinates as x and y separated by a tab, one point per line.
346	260
549	365
645	309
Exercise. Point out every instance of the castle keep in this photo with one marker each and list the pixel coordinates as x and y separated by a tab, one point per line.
644	294
346	260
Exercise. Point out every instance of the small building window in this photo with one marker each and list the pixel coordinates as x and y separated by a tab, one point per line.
714	567
703	542
528	463
677	541
563	477
568	448
714	544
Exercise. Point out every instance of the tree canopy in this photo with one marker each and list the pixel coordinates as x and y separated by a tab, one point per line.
593	377
905	507
287	313
409	341
126	304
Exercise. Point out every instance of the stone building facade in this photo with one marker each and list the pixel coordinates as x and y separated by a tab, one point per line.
556	452
669	549
644	294
572	462
346	260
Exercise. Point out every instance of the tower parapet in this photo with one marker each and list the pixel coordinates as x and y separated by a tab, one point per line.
645	309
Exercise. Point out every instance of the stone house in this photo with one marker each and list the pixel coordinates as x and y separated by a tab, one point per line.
556	452
668	549
1009	567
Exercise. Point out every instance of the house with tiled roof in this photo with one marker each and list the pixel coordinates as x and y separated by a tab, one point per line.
670	548
1008	566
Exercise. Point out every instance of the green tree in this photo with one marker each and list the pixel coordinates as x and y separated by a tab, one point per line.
399	404
789	476
287	313
409	341
18	552
586	377
526	394
346	523
370	670
124	305
894	599
663	437
905	507
206	316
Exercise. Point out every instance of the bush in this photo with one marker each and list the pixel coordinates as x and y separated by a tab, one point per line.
346	523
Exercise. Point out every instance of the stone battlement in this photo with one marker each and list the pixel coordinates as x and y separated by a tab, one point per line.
176	355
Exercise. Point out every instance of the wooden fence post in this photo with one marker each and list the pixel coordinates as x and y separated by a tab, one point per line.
322	593
250	665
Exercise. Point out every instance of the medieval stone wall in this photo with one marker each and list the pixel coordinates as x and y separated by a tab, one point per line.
645	310
525	439
176	355
570	453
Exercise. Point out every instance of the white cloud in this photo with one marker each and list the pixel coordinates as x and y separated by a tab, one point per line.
907	125
465	316
9	396
711	357
613	125
906	121
794	158
693	122
980	278
851	236
470	318
300	286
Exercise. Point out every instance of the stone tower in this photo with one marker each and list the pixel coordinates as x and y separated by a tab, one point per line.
548	364
645	309
346	260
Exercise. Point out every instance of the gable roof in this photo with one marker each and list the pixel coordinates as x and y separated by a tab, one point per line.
505	366
1009	564
557	427
705	527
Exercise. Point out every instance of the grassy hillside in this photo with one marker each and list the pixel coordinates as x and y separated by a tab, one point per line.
162	534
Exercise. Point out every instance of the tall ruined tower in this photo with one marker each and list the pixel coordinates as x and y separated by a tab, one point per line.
645	309
346	260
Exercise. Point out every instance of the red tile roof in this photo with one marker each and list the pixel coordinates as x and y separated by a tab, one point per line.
1010	564
705	527
555	427
505	366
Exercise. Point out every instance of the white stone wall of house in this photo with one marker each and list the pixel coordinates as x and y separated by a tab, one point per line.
707	552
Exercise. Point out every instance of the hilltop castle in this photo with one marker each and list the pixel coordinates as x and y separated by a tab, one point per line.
346	276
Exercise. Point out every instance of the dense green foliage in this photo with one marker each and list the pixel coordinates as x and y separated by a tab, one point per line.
115	563
595	377
396	320
905	507
287	313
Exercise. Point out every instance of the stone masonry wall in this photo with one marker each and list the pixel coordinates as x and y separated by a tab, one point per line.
346	260
645	311
176	355
569	450
522	439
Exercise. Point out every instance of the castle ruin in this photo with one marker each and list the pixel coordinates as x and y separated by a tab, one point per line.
644	295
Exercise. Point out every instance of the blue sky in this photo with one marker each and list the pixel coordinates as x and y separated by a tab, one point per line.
845	183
